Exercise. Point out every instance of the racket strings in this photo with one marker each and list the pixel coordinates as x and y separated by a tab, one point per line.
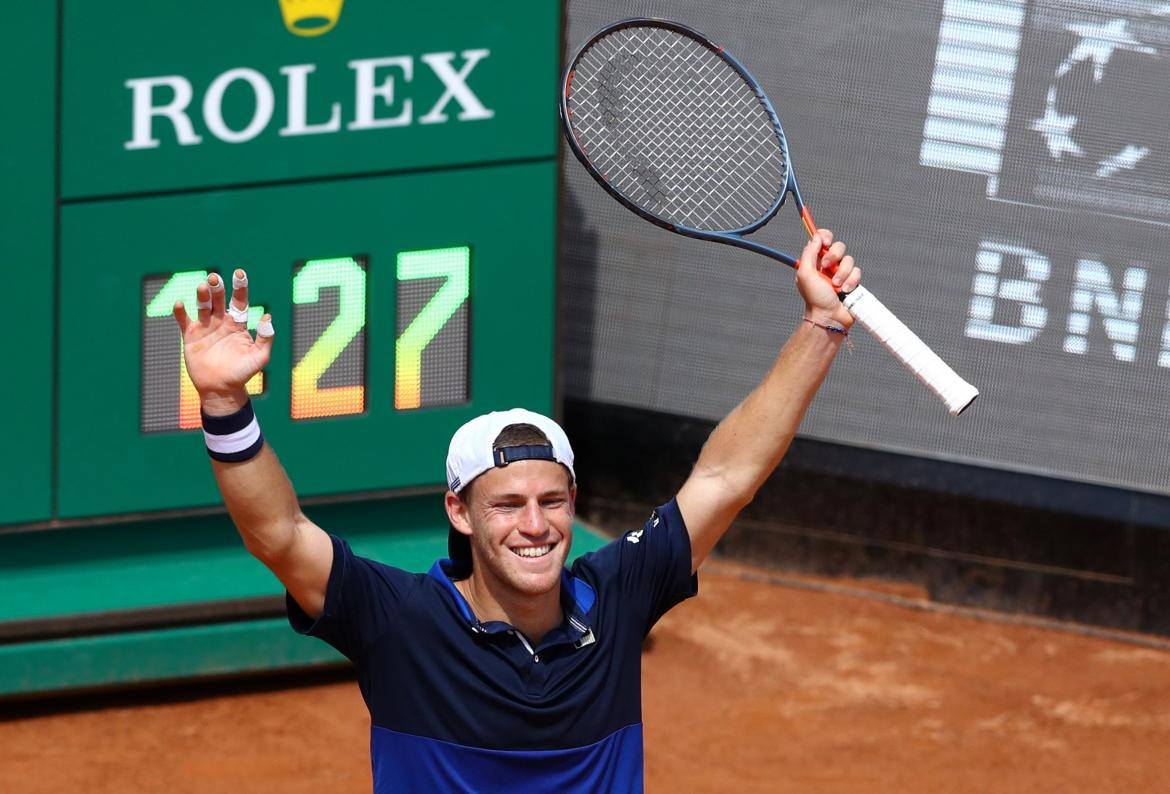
676	129
698	140
720	204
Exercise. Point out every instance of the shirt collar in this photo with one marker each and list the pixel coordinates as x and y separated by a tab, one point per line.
577	600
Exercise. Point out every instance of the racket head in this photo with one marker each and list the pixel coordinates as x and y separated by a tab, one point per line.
676	129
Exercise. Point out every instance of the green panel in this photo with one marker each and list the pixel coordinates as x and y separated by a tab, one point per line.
508	91
189	561
201	559
109	247
137	657
27	173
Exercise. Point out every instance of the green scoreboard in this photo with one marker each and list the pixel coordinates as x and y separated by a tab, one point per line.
386	174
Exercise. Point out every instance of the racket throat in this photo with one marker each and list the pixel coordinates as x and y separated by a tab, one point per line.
806	217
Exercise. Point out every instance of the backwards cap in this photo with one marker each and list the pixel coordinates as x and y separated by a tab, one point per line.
471	453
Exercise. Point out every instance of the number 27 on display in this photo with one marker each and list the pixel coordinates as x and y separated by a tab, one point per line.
328	338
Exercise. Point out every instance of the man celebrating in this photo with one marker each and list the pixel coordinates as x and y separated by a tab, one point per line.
500	669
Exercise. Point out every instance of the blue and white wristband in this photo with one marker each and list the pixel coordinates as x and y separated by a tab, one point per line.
235	437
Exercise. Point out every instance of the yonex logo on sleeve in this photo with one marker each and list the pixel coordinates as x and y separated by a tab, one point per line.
635	536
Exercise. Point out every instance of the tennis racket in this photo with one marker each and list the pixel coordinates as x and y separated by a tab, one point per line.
675	128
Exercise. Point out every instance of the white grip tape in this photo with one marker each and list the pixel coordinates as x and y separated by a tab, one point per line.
264	328
910	350
239	315
239	283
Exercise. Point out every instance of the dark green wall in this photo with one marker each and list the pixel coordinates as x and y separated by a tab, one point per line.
403	128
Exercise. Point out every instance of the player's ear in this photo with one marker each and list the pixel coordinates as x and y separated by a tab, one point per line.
457	513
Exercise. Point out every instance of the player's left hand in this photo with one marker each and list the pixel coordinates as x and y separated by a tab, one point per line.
825	269
219	352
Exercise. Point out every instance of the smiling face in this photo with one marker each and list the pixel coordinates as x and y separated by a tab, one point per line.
520	520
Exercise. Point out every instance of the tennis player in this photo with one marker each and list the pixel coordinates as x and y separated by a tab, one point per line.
500	669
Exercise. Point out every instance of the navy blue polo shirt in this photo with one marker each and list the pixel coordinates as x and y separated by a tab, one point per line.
459	705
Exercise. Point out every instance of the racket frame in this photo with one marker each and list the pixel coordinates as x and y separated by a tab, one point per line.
904	344
729	236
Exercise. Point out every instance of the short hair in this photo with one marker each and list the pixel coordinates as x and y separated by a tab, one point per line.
516	435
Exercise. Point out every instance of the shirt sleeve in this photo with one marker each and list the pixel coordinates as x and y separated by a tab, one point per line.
361	600
651	566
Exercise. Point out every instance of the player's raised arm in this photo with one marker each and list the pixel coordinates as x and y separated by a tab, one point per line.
221	358
748	444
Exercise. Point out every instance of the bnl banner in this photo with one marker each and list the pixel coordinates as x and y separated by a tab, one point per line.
1002	172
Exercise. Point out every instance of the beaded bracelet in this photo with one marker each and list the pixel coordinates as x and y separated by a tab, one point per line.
833	329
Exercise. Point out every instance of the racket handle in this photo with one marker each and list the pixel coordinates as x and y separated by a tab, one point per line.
910	350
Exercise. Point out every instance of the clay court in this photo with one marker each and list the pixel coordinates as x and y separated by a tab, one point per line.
763	683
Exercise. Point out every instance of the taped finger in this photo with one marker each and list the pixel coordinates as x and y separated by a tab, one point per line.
238	308
265	329
218	294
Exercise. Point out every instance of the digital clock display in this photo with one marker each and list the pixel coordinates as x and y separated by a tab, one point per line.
431	351
329	372
329	338
387	296
169	399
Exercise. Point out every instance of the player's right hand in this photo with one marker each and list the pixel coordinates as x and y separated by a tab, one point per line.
220	354
825	269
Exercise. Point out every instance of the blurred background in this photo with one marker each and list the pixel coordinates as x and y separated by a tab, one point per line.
392	178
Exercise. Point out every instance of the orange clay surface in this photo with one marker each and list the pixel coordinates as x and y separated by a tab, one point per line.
750	687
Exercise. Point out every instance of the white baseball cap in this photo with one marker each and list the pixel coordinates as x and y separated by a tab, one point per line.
471	453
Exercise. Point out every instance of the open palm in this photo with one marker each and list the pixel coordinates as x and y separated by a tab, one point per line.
220	353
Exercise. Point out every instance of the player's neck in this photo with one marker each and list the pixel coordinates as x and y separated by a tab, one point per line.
534	615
